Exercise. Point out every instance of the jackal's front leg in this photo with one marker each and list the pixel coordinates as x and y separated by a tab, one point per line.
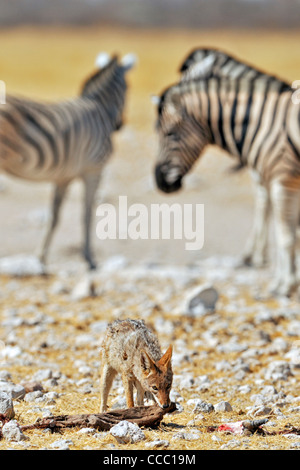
139	394
128	387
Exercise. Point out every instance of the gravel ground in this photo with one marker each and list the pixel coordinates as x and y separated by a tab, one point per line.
239	361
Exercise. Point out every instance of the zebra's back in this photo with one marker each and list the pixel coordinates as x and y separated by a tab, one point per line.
42	141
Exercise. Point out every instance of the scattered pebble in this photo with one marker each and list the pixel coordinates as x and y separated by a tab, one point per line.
202	300
62	444
222	406
11	431
246	355
126	432
6	405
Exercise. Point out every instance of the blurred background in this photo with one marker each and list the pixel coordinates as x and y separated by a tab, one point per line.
47	50
154	13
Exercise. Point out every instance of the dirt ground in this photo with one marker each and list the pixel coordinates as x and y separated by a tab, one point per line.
50	326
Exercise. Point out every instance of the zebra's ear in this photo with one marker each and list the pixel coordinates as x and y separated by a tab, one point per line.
128	61
102	60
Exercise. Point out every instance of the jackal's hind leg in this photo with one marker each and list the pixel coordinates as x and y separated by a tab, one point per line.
106	380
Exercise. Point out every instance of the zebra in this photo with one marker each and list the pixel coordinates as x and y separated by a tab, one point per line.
254	120
68	140
209	62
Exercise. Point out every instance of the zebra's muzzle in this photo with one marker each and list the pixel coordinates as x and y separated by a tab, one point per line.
163	184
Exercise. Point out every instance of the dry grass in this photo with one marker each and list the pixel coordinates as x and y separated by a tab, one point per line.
72	400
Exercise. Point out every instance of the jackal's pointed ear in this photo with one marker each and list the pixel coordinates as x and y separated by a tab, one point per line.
165	360
147	363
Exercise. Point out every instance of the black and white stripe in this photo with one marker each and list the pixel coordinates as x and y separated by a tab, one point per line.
58	142
251	115
209	62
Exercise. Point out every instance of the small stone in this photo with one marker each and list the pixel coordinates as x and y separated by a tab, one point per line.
12	432
33	396
187	436
261	411
202	300
43	374
203	407
157	443
33	386
4	374
223	406
62	444
84	289
21	265
278	370
17	392
6	405
216	438
87	431
126	432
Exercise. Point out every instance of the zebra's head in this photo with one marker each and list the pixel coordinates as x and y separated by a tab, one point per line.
108	85
201	63
182	137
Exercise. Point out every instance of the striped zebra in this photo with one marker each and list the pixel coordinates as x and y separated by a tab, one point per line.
205	63
253	118
60	142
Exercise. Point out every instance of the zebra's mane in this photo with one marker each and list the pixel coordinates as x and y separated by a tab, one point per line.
100	78
210	62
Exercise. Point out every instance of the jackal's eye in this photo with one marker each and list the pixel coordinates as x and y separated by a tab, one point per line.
154	388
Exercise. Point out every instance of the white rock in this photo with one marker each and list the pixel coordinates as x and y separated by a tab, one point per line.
62	444
87	431
6	405
261	411
10	352
17	392
12	432
37	395
201	300
43	374
278	370
126	432
84	289
157	443
223	406
187	436
21	265
202	407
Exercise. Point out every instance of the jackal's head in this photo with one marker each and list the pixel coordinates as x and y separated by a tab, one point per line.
157	377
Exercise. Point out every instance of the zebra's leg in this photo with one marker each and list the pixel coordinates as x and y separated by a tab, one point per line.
58	197
91	182
285	202
256	248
